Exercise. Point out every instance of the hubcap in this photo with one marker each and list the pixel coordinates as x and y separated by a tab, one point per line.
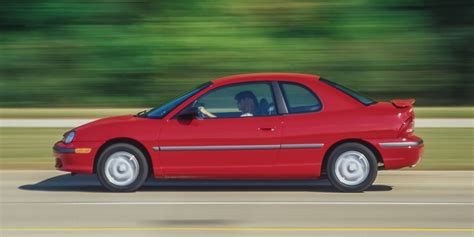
121	168
352	168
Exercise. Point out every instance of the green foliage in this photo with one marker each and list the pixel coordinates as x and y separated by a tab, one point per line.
62	53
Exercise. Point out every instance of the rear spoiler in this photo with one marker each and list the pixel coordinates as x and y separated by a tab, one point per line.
403	103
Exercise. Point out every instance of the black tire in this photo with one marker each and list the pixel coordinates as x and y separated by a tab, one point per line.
372	167
142	167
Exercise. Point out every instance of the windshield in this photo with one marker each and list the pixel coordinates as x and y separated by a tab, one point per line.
362	99
162	111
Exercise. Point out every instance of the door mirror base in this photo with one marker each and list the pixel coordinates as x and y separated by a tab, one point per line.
188	113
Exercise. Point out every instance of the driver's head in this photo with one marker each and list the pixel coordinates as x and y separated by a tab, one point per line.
246	102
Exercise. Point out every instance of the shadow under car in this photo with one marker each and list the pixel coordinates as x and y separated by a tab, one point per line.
90	183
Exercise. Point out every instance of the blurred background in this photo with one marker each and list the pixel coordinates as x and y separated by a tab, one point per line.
127	53
62	58
66	62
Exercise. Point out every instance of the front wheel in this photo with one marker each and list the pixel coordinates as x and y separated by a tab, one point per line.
122	168
352	167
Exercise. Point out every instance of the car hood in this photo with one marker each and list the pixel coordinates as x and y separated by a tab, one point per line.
108	121
127	126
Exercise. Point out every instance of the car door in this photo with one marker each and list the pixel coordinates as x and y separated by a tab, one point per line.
227	145
303	133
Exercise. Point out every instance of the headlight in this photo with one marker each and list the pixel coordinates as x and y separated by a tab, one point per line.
69	137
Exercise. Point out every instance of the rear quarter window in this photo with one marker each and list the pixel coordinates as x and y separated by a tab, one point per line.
299	98
357	96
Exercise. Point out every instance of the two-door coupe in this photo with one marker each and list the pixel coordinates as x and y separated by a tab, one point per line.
251	126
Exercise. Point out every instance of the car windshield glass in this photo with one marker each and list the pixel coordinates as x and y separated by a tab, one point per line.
162	111
362	99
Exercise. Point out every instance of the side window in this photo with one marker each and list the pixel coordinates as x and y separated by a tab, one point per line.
299	99
240	100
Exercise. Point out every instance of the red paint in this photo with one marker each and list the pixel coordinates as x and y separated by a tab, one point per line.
403	103
342	118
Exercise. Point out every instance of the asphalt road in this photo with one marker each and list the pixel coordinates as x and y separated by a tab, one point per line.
409	203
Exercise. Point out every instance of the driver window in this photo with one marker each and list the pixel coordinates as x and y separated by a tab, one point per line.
239	100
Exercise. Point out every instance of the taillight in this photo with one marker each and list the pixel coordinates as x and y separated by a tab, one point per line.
407	128
411	127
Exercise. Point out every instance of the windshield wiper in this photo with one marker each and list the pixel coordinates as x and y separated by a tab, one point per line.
142	114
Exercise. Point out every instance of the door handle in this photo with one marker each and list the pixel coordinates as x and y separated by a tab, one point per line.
266	129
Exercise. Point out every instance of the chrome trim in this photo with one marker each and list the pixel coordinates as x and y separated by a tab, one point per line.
237	147
301	146
400	144
218	148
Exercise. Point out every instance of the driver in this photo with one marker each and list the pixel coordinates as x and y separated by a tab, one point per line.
246	103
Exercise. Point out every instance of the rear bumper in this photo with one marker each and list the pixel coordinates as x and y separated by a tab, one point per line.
76	158
401	153
401	144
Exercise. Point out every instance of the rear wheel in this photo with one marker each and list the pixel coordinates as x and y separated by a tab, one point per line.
352	167
122	168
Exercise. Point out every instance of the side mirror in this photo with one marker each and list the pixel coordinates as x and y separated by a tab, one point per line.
188	113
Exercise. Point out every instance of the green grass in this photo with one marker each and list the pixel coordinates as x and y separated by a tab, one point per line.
28	148
447	148
31	148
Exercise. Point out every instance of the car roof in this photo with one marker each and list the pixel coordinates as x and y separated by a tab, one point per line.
265	77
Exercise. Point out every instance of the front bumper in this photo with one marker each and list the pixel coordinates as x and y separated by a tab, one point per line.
401	153
77	157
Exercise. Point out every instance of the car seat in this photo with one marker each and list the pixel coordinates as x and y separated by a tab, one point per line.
266	108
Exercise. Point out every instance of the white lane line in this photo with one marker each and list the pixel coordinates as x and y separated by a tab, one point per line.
233	229
43	123
249	203
69	123
444	123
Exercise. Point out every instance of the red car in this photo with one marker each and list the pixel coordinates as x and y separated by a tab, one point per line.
250	126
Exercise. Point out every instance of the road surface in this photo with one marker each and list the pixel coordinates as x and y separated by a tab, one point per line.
408	203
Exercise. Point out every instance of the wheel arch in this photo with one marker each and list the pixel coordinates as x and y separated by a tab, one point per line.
127	140
350	140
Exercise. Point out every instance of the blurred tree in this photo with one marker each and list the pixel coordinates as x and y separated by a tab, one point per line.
140	53
453	20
